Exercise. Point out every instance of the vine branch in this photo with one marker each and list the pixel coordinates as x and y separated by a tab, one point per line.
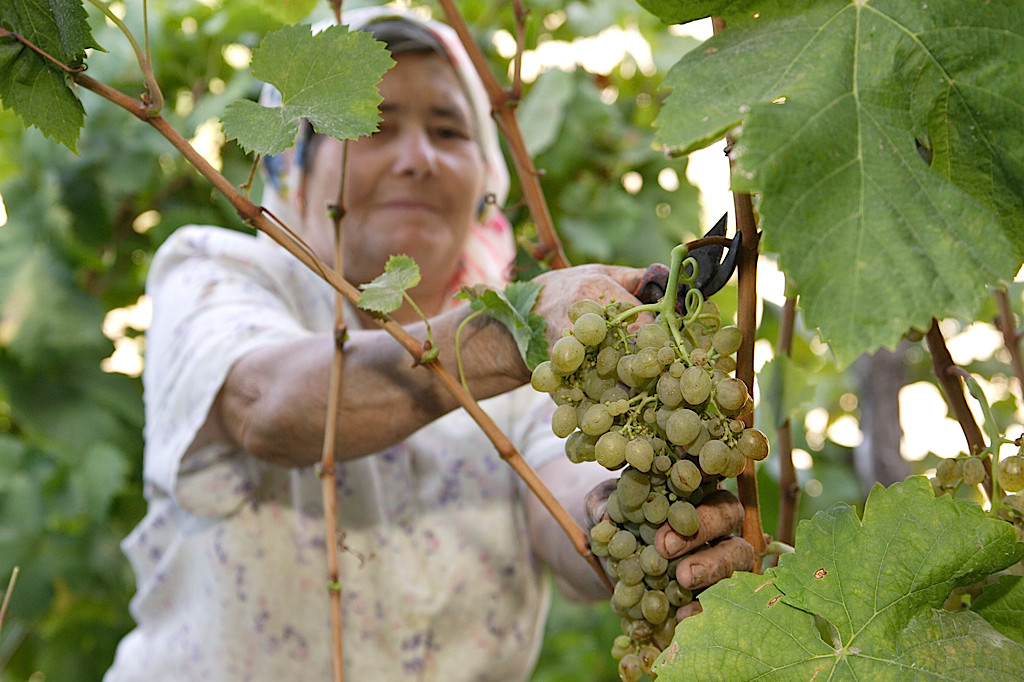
1011	336
789	485
746	320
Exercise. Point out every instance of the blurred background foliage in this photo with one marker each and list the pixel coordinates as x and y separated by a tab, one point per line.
80	230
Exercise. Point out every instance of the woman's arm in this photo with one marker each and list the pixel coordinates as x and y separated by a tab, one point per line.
273	403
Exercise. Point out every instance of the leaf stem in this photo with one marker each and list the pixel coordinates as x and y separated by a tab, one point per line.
995	437
155	103
8	593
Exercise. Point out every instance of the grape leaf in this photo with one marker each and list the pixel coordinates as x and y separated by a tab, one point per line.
885	140
1002	605
513	307
33	87
385	293
859	599
329	79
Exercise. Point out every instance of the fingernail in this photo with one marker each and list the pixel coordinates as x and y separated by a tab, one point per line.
674	544
698	574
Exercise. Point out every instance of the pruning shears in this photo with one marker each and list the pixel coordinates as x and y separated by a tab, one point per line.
713	271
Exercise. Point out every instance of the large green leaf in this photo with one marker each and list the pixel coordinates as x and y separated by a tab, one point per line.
1002	605
329	79
859	599
34	87
836	108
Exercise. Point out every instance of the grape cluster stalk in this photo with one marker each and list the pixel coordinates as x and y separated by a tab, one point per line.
660	406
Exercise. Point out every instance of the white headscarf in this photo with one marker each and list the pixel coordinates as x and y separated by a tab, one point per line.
489	251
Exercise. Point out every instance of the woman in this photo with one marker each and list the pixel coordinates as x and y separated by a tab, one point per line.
440	545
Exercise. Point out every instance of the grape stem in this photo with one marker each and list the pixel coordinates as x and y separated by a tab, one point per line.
666	307
995	438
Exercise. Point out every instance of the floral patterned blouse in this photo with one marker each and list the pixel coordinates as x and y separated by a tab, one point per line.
437	577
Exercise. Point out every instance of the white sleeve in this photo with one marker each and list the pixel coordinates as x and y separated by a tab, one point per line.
217	295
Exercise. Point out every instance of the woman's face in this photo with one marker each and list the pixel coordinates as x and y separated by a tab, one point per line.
413	187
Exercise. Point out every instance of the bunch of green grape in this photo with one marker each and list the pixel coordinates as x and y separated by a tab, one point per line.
661	406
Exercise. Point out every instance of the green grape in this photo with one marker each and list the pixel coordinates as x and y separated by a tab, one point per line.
668	390
633	488
1015	501
666	356
655	508
651	562
1011	474
727	340
614	394
736	464
652	335
665	632
621	646
695	384
594	385
730	394
580	447
628	595
596	421
710	316
590	329
634	515
656	582
544	379
654	605
714	457
610	450
631	570
581	410
677	594
715	428
567	355
622	544
624	371
699	357
947	471
682	516
613	508
647	531
725	364
606	361
640	454
630	668
563	420
676	369
562	395
662	464
603	531
682	426
584	306
640	630
599	549
685	476
645	363
972	471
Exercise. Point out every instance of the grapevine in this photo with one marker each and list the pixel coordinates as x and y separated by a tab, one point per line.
657	402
